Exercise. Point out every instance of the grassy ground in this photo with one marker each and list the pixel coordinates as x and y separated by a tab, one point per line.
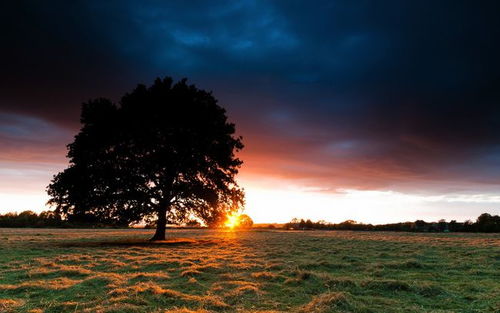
47	270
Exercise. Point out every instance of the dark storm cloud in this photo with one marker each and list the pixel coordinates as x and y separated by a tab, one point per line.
364	94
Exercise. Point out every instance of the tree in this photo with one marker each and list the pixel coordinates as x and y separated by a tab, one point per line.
453	225
488	223
245	221
27	218
302	224
166	152
420	225
442	225
309	224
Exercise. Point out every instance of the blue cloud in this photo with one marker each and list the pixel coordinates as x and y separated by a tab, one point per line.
413	84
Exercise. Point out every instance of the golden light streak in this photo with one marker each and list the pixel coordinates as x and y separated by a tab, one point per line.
232	220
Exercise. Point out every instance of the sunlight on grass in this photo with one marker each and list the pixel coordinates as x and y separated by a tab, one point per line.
65	270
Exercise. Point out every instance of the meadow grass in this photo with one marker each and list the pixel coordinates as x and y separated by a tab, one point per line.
63	270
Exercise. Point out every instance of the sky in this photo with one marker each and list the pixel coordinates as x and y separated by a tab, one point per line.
378	111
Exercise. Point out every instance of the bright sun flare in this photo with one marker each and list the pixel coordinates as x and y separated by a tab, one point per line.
232	220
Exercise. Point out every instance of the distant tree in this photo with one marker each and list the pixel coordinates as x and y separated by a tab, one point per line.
468	226
193	223
309	224
351	222
442	225
28	218
420	225
293	224
245	221
50	218
302	224
488	223
166	153
453	226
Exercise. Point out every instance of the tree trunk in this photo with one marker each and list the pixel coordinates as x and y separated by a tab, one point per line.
161	225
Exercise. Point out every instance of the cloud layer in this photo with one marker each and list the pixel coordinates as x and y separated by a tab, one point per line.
392	95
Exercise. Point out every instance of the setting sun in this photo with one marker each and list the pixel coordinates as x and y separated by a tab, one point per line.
238	220
250	156
232	221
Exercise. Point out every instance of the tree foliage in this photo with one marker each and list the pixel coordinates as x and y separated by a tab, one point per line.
485	223
166	152
245	221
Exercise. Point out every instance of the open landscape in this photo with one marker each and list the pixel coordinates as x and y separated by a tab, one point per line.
89	270
250	156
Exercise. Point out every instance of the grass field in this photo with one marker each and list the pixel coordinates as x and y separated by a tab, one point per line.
57	270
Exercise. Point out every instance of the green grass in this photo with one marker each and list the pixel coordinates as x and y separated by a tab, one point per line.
58	270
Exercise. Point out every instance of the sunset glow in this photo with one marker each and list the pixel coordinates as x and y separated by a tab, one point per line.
232	221
343	115
250	156
368	206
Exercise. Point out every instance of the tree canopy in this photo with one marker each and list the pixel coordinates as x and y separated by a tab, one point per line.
245	221
165	152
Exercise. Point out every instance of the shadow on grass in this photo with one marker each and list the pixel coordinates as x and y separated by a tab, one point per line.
174	242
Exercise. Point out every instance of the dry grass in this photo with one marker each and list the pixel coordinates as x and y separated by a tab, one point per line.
110	271
49	284
324	302
6	304
184	310
264	275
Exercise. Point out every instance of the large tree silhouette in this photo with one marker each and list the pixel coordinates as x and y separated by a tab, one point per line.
166	152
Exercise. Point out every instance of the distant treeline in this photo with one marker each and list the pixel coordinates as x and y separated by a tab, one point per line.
47	219
485	223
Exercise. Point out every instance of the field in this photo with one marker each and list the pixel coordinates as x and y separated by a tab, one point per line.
58	270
